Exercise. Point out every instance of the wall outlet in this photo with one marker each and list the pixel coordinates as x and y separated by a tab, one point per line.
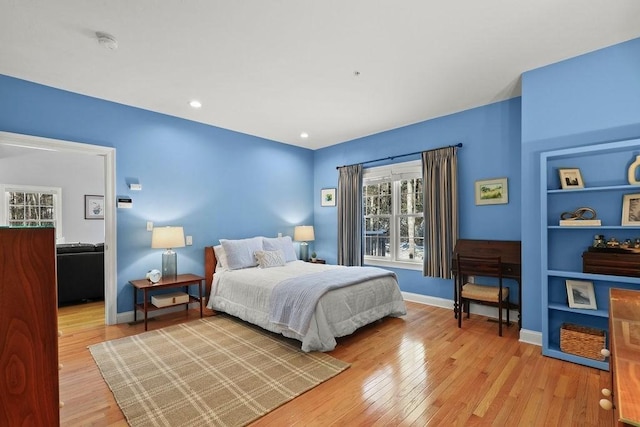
279	234
149	225
189	240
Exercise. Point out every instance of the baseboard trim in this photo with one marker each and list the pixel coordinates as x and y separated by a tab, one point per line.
526	336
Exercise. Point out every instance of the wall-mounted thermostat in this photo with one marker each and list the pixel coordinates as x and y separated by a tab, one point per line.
125	202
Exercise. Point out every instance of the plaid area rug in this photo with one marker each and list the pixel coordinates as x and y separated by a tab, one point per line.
212	371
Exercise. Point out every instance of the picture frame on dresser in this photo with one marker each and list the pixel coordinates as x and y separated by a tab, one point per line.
570	178
580	294
631	209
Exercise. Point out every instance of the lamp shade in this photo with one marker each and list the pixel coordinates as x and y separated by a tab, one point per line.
167	237
303	233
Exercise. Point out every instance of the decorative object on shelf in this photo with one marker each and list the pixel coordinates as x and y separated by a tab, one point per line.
581	217
598	241
612	261
492	191
570	178
328	197
93	207
304	234
582	341
631	209
633	169
581	295
168	238
313	256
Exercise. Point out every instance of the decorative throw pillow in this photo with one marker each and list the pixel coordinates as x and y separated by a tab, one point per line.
267	259
240	252
285	244
221	257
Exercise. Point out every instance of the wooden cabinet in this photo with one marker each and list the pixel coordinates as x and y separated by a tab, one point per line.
603	168
29	390
625	355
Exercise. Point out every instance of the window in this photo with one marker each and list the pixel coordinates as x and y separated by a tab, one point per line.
393	215
31	206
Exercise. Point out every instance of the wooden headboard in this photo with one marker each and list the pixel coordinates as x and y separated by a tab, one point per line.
209	268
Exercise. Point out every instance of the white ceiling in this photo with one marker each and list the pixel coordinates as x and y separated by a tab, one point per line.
275	68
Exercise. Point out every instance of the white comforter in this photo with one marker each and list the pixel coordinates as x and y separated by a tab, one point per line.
245	294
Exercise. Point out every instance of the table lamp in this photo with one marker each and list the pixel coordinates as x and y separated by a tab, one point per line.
168	238
304	234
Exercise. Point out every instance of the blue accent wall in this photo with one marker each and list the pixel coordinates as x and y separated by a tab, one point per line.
491	149
214	182
585	100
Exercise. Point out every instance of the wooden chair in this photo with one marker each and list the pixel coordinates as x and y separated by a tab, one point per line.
497	296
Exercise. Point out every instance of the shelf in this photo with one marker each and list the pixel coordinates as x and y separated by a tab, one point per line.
604	169
559	354
625	187
151	307
591	276
594	227
564	307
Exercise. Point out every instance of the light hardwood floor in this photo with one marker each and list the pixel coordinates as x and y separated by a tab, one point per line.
417	370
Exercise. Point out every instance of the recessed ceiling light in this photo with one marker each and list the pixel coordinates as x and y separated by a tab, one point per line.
195	103
304	135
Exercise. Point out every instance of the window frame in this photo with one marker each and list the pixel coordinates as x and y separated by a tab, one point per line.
5	189
393	173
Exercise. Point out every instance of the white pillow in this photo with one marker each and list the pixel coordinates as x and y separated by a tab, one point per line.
240	252
285	244
268	259
221	257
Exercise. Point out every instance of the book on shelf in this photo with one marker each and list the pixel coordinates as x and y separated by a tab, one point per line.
580	222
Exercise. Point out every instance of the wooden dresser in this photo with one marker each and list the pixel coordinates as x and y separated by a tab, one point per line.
624	342
29	390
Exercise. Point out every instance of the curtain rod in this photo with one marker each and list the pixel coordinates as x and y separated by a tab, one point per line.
400	155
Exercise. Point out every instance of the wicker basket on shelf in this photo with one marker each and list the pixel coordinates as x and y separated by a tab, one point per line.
582	341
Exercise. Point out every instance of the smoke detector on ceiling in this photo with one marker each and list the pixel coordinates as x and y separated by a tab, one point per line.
107	40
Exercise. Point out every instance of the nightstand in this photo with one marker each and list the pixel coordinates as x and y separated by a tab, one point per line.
180	281
318	261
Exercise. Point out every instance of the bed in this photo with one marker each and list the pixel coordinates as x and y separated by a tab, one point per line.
313	303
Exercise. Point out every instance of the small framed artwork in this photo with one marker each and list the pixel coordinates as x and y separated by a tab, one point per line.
631	209
93	207
580	294
328	197
570	178
492	191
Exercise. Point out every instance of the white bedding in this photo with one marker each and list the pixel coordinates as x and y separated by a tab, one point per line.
245	294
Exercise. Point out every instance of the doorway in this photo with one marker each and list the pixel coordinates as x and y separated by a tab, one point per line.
110	240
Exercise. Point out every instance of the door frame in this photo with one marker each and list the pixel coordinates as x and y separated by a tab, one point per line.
110	232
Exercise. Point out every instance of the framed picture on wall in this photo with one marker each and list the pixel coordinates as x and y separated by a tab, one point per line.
570	178
580	294
492	191
93	207
328	197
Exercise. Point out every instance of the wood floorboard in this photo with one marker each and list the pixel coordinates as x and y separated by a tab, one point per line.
413	371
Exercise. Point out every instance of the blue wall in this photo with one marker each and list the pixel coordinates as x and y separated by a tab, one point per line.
585	100
185	167
214	182
491	139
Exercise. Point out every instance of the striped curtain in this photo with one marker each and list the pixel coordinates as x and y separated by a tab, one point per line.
350	215
439	174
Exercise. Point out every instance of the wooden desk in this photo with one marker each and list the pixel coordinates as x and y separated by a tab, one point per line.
624	343
144	285
509	252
